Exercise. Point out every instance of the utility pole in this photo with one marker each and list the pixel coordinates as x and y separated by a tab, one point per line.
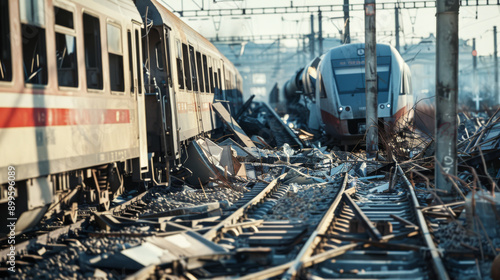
304	50
311	38
347	31
396	16
446	92
495	57
474	74
320	33
371	80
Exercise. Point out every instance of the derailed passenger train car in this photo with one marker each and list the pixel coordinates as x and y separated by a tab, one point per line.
340	91
91	99
186	75
339	100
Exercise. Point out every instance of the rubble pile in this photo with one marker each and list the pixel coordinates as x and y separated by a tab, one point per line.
164	199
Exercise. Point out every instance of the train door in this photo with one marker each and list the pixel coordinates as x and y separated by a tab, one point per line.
169	101
138	91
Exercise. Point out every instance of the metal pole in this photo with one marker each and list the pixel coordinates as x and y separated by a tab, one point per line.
474	74
311	38
396	16
304	50
446	92
347	31
495	56
320	33
278	51
371	80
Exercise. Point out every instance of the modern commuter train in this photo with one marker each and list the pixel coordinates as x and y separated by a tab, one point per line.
335	83
97	93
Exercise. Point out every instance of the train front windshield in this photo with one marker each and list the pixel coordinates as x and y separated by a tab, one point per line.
350	76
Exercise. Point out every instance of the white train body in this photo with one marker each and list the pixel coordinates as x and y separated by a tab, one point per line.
340	100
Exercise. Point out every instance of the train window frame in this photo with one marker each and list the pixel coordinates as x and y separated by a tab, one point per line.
67	30
192	64
186	64
6	66
199	67
115	55
92	52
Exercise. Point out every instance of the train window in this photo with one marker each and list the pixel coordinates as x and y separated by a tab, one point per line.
200	71
193	68
66	59
63	17
159	56
67	69
92	44
351	79
138	61
180	73
115	51
32	14
5	55
219	82
205	71
187	73
34	54
130	62
216	89
211	73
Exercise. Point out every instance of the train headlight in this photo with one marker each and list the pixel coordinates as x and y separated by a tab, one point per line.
341	109
388	105
382	106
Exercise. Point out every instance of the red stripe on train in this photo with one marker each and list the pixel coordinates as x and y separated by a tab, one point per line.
32	117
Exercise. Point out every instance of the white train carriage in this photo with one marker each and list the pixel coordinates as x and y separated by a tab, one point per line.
340	91
77	117
72	105
186	74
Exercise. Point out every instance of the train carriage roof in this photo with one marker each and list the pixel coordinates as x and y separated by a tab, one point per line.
161	15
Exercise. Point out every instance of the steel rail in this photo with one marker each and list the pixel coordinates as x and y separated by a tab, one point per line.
23	247
309	247
437	263
238	214
45	238
311	242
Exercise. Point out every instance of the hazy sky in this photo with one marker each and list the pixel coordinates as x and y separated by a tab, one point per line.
475	22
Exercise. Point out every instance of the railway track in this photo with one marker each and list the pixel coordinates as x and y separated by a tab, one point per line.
53	233
360	234
365	236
